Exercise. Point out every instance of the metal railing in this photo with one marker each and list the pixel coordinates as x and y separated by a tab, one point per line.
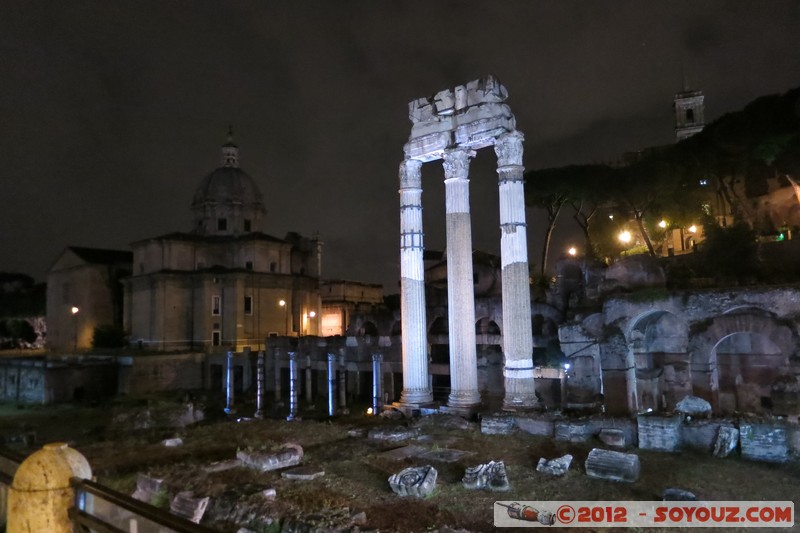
103	510
100	509
9	462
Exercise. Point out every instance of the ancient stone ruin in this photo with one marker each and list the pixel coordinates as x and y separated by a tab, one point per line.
450	126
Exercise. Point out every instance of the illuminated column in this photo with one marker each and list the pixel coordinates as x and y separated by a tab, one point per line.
460	292
416	389
520	391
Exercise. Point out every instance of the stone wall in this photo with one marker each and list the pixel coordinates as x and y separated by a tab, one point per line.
152	373
37	380
765	442
660	433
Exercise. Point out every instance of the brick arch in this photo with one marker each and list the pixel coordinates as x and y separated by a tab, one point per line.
703	346
759	322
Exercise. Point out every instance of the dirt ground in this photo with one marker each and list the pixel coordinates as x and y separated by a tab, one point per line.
356	472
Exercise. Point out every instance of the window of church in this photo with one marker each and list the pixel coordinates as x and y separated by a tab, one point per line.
216	305
690	115
273	267
222	224
247	225
216	338
248	265
248	305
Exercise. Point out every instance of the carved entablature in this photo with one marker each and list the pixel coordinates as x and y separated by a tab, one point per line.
471	115
447	102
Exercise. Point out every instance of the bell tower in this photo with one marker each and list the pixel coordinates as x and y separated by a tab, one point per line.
689	112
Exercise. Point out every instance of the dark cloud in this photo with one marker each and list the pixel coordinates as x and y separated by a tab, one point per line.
113	112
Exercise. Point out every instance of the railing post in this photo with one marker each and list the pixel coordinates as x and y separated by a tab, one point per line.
229	386
377	383
276	354
331	384
260	384
293	382
342	384
309	383
42	494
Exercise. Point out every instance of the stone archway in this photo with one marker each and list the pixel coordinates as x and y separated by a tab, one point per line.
747	366
735	359
658	344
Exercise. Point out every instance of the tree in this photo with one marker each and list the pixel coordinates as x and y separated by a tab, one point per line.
589	187
547	190
730	252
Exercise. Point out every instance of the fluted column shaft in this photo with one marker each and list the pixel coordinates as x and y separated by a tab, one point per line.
460	284
416	387
520	391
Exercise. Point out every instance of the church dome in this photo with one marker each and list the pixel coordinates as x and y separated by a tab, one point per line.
228	201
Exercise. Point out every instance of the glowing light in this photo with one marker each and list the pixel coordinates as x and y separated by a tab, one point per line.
282	303
566	366
611	217
74	310
662	224
692	229
369	410
624	237
312	314
572	251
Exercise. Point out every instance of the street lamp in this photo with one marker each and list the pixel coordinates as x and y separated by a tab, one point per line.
662	224
282	303
572	251
624	237
75	311
309	316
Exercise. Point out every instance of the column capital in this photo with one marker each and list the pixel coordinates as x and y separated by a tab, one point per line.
456	162
508	148
411	174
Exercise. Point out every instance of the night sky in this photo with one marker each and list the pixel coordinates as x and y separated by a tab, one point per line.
112	112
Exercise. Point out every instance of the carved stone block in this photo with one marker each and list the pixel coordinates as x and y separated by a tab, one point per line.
554	467
613	466
417	481
726	442
490	476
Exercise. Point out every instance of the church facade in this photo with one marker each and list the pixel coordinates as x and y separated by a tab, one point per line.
226	284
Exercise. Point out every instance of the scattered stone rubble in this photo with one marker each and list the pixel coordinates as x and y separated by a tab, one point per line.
417	481
612	437
147	487
290	455
554	467
491	476
303	473
185	505
613	466
694	406
394	434
726	442
497	425
678	495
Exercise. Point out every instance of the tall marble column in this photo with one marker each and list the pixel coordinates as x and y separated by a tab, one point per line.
416	388
460	285
520	391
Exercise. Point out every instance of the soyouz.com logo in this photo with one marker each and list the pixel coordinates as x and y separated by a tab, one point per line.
723	514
